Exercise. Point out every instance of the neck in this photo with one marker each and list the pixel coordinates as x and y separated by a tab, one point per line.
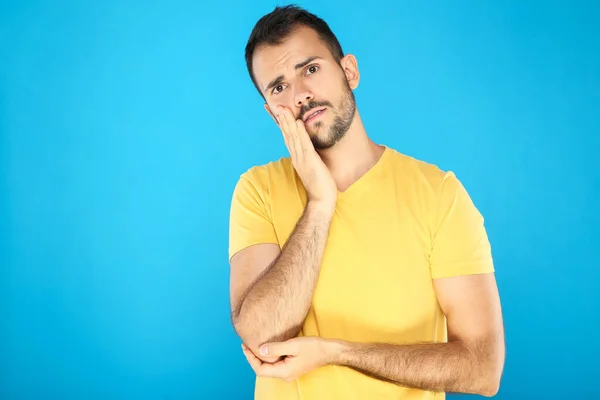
352	156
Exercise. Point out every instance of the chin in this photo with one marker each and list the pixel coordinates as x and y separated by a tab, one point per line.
317	128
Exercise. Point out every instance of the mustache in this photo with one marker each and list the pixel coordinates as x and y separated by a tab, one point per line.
311	105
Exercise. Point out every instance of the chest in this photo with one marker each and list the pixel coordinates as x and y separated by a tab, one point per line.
375	269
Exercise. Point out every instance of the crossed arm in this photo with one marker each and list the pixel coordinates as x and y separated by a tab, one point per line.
470	362
271	292
271	289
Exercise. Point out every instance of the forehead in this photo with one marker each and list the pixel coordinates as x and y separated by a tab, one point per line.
272	60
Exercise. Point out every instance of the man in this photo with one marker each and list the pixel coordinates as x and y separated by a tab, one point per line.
357	272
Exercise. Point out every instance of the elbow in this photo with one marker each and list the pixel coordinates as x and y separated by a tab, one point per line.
490	388
252	338
239	326
486	385
249	336
489	382
488	359
254	334
244	328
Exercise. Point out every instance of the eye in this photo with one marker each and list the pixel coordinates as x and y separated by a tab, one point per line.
312	69
277	89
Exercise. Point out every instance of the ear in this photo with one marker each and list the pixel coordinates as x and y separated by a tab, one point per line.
268	109
350	67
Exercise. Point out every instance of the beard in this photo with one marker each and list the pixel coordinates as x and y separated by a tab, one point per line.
341	123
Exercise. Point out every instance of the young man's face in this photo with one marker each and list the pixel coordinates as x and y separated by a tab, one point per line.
302	75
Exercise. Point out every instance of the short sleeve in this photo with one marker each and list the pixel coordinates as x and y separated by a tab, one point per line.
460	244
249	222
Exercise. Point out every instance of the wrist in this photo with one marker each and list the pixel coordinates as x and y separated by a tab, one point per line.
336	351
324	208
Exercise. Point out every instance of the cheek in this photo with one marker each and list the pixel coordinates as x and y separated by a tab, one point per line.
325	90
284	99
273	107
325	83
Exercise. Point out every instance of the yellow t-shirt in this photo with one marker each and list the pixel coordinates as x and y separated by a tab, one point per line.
402	224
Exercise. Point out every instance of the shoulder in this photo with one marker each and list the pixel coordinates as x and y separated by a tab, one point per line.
437	195
262	177
417	172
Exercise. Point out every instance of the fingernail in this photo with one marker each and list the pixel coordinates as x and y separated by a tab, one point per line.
264	350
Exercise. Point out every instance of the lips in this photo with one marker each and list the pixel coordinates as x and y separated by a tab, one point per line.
313	114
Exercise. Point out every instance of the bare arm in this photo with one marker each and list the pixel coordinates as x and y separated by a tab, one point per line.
270	299
471	362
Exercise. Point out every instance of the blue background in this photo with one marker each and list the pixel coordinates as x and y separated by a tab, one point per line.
125	125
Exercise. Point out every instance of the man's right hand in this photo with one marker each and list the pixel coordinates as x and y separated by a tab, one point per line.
318	181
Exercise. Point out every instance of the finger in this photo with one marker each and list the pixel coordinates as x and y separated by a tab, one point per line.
290	132
303	137
286	140
254	361
281	369
247	349
288	348
250	355
284	120
294	138
279	112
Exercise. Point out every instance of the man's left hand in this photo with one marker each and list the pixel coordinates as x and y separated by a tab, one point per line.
301	355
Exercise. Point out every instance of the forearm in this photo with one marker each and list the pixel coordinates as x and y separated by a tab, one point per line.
276	305
438	367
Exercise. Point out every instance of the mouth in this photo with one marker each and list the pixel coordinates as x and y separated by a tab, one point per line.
313	115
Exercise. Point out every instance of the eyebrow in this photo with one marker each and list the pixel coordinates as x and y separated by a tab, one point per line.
278	80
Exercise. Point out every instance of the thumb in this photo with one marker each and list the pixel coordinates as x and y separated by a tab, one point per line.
278	349
303	134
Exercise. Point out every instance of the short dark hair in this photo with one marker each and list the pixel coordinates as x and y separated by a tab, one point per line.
275	27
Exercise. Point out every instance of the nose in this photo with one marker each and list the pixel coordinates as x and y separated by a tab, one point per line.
303	96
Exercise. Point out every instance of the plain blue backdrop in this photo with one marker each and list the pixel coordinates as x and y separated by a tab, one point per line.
125	125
